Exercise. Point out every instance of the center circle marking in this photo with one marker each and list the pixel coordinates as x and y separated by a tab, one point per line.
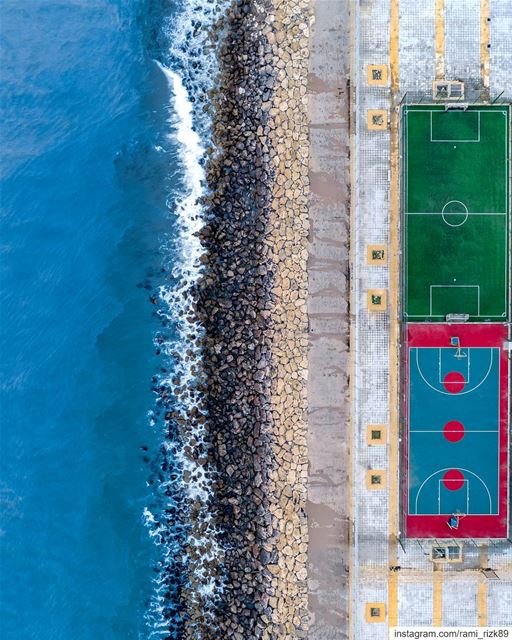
454	382
453	480
453	431
464	213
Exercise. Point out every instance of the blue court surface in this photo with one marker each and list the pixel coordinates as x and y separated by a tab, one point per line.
457	423
453	443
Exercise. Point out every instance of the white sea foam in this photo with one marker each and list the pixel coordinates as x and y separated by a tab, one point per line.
188	208
190	70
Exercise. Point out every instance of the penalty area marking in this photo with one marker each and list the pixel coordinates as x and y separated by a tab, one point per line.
455	286
432	139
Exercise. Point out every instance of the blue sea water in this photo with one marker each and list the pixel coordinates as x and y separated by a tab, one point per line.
88	167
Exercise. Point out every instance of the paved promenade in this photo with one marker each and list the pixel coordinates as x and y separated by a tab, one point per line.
328	267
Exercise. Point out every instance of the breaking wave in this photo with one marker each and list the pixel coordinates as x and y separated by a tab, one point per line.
189	570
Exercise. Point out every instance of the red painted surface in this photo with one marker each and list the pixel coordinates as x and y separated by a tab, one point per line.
453	431
453	479
472	526
454	382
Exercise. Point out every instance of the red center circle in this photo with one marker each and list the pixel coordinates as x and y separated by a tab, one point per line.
453	479
454	382
453	431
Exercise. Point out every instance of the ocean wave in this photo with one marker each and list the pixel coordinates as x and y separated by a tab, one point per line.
192	34
188	574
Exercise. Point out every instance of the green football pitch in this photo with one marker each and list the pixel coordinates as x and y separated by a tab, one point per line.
455	204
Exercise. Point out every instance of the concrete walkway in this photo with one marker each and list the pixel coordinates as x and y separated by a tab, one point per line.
328	270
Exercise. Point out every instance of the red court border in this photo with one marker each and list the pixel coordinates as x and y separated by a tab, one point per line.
471	335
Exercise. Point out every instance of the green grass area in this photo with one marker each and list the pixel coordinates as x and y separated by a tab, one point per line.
455	201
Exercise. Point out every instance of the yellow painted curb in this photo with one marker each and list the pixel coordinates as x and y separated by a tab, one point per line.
394	223
439	36
485	41
437	613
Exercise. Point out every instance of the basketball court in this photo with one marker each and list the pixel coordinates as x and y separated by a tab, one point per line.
456	440
455	202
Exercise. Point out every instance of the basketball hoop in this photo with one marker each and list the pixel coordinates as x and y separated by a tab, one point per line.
455	342
454	520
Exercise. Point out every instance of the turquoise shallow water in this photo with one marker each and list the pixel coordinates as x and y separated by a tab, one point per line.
84	185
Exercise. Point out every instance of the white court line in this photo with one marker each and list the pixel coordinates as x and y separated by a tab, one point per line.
461	393
472	111
440	380
507	207
469	213
409	442
449	347
459	469
436	315
466	486
507	177
450	431
506	235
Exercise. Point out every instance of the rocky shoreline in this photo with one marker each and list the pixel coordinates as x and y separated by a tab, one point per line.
251	301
